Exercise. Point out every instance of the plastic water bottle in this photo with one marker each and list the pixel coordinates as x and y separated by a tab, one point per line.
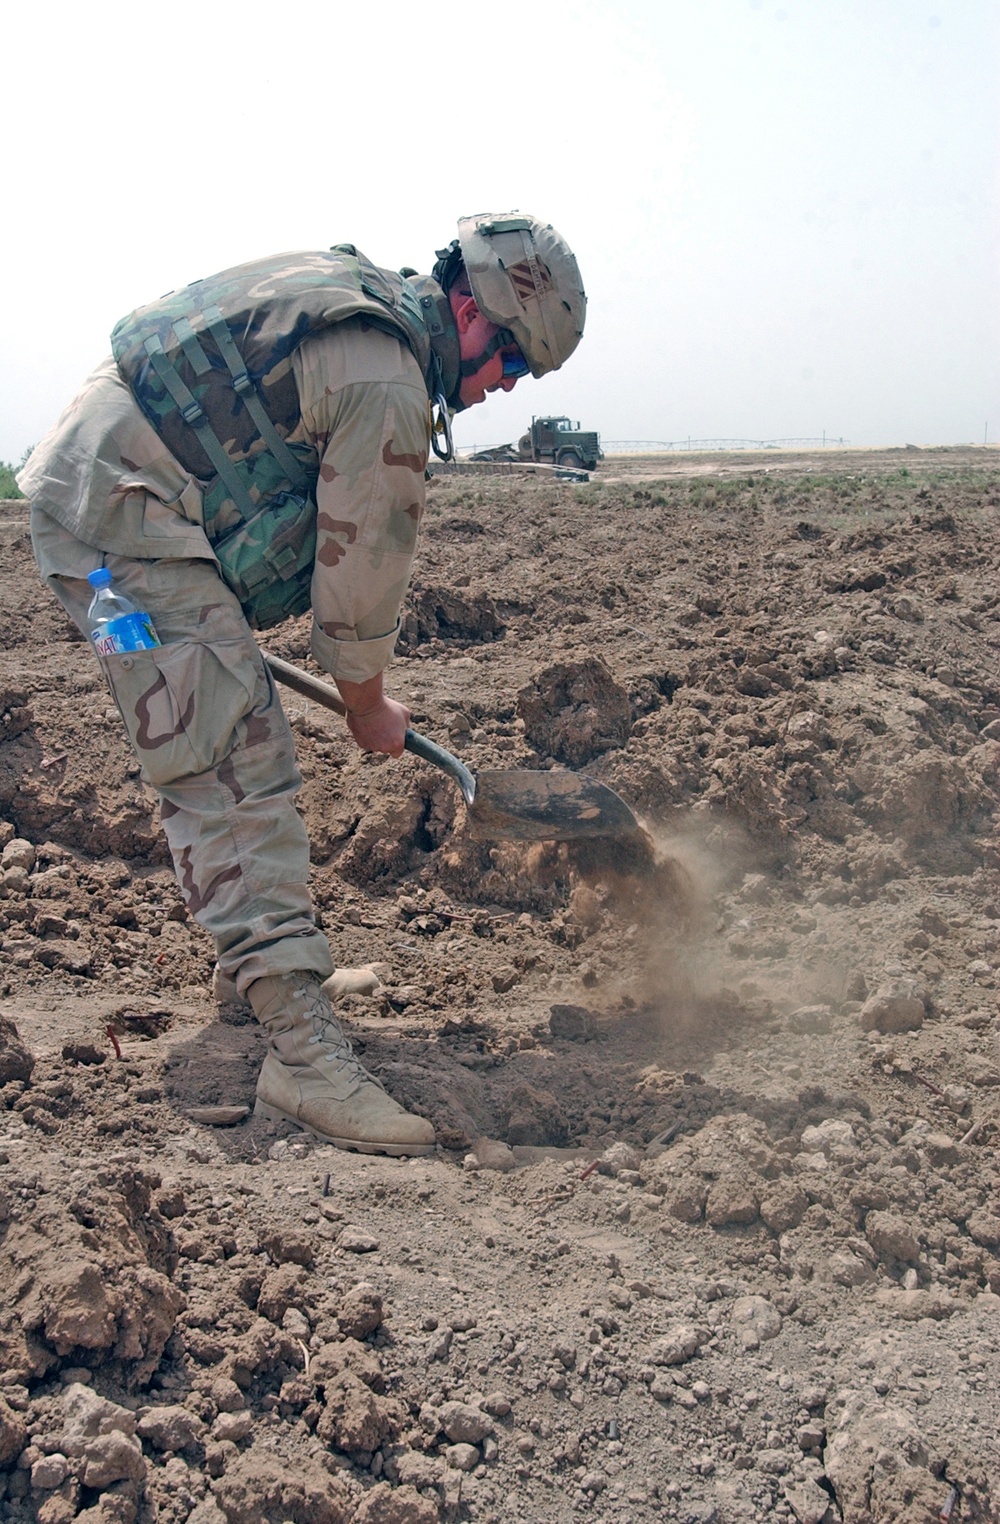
114	622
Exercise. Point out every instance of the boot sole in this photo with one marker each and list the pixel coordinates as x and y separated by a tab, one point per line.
353	1145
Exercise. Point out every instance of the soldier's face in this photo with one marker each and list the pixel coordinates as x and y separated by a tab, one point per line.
474	335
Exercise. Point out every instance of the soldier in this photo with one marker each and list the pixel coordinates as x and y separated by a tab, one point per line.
257	445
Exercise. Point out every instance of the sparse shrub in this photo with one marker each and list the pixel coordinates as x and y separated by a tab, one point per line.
8	486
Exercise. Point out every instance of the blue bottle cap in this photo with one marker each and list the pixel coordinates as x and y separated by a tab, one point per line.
100	578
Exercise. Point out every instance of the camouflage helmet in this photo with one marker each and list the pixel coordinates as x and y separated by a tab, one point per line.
524	276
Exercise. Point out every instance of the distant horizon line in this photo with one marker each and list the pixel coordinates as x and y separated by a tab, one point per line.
827	441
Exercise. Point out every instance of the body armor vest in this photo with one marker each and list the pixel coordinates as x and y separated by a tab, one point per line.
210	366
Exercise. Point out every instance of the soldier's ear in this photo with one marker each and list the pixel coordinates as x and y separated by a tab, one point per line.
464	311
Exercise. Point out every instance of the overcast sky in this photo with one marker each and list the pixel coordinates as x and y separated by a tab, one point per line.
786	215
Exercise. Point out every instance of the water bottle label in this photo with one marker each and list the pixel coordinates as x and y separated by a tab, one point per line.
129	632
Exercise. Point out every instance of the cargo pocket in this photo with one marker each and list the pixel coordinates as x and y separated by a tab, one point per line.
182	702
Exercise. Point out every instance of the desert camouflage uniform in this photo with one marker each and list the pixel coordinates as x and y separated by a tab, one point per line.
201	710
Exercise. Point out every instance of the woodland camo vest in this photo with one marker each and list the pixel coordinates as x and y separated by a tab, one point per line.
210	366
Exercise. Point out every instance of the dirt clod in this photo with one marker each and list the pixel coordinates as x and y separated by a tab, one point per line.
574	711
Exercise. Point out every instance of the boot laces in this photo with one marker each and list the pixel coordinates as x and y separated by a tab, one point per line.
329	1036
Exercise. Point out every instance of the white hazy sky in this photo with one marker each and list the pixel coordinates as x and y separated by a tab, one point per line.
786	215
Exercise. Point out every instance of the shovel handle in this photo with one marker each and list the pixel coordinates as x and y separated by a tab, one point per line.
420	746
309	687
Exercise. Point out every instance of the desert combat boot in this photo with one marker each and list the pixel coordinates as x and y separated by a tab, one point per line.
311	1076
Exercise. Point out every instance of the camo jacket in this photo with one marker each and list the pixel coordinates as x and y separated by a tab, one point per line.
104	474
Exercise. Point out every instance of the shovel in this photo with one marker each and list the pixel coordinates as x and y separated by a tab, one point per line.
511	806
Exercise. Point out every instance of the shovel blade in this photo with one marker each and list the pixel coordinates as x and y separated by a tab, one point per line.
506	806
541	806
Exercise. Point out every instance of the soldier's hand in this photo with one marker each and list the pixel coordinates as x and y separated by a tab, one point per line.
381	728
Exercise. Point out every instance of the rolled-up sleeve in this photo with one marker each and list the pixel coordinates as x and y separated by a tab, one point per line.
371	431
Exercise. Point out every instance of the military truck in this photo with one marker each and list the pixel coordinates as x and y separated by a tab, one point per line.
561	442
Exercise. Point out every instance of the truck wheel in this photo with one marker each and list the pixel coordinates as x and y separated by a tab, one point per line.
571	460
524	447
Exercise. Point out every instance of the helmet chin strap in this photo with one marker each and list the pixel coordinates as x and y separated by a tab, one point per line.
500	340
449	263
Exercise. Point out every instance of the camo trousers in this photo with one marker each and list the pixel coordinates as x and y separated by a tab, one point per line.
207	726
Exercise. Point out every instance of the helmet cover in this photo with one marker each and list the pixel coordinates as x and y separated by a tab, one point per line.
524	276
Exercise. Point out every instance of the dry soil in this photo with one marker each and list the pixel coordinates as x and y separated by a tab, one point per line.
712	1232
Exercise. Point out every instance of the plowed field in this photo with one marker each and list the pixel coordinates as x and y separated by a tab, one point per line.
713	1230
